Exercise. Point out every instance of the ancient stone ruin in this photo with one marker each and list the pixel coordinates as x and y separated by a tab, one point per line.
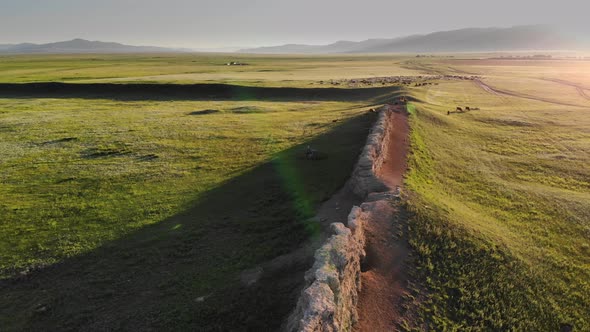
329	299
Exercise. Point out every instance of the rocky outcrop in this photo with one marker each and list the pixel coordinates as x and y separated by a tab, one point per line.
328	303
364	178
329	300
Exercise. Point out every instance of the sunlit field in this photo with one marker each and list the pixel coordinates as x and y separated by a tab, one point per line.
257	70
140	211
501	197
164	199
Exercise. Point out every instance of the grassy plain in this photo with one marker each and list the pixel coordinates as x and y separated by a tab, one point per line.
501	198
146	211
260	70
120	212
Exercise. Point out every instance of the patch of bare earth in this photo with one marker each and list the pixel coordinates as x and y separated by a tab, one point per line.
384	277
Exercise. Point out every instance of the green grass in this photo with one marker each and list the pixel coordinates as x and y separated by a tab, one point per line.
500	204
196	68
79	172
123	210
136	212
108	203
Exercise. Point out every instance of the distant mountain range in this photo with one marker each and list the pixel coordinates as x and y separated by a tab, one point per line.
82	46
521	38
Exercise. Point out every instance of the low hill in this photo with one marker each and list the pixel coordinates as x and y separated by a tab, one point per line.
519	38
81	46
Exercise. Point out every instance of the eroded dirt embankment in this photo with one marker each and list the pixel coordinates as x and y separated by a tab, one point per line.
356	281
384	276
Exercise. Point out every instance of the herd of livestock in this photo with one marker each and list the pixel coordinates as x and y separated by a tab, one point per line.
387	80
415	81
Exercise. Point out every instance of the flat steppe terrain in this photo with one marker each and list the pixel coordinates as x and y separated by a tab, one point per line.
142	208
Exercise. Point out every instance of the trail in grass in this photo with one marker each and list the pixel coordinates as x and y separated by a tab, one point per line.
499	92
384	276
581	89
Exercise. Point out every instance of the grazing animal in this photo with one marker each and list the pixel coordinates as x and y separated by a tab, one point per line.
310	153
467	108
459	109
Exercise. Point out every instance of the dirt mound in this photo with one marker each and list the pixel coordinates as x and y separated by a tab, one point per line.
247	110
60	140
203	112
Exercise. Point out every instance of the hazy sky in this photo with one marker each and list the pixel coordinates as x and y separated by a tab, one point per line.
218	23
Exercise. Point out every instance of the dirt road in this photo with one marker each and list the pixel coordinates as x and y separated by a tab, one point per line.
581	89
501	92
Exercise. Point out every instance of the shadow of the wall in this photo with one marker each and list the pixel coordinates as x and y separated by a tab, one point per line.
184	273
140	91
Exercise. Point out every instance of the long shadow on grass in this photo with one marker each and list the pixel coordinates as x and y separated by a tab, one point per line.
138	91
184	273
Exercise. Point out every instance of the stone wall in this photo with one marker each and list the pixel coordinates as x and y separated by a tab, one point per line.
329	300
364	178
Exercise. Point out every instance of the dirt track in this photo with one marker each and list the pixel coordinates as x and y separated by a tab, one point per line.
500	92
581	89
394	163
384	278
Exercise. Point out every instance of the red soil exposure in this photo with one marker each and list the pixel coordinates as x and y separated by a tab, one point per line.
394	161
384	277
